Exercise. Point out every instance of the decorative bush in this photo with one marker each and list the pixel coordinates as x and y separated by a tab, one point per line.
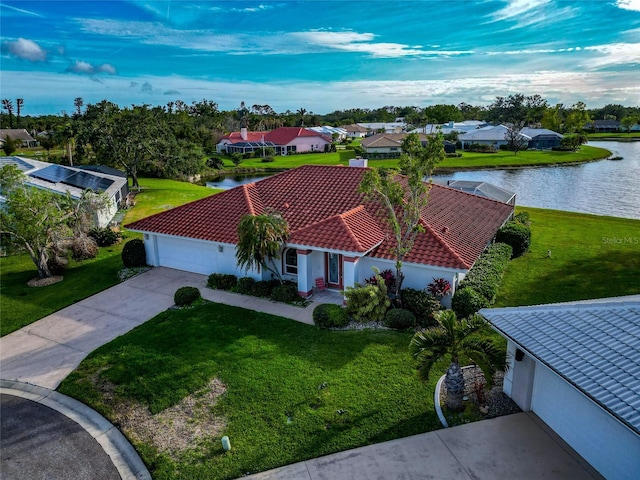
368	303
486	275
134	254
263	288
517	235
222	281
286	293
186	296
388	277
422	305
466	301
328	315
439	287
267	160
245	285
399	319
522	217
215	162
105	237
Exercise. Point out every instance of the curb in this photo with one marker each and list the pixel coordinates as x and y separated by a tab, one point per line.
116	446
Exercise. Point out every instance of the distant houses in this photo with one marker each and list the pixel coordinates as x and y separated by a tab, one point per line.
19	135
283	141
495	136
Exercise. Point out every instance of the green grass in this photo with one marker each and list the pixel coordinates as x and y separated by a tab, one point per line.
591	257
272	368
619	136
21	305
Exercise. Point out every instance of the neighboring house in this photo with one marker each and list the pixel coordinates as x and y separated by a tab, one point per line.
492	135
445	128
391	143
484	189
329	131
603	126
336	234
383	127
283	140
542	138
19	135
61	179
577	366
355	131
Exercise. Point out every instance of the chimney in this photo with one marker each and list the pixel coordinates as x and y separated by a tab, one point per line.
243	133
358	162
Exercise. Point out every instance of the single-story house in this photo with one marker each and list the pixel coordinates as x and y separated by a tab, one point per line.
336	234
492	135
391	143
484	189
577	366
62	179
355	131
329	132
283	140
542	138
24	139
445	128
384	127
603	126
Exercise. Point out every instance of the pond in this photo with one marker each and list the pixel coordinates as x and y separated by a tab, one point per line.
606	187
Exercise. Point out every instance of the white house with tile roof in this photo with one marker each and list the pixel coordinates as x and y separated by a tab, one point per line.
336	234
577	366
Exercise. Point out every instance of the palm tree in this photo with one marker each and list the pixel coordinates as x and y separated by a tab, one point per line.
456	340
7	104
19	105
260	241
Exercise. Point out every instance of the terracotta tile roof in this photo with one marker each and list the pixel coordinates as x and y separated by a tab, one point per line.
324	210
236	137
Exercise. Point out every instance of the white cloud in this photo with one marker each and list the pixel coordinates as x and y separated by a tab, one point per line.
525	13
25	49
629	5
18	10
614	54
82	67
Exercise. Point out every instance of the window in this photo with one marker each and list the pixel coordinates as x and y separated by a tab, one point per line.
291	261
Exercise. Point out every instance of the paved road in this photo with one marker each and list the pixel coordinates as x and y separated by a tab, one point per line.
40	443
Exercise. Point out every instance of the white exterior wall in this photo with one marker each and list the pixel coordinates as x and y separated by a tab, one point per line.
609	446
518	380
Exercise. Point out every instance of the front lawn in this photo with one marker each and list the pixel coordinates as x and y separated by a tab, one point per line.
293	392
591	257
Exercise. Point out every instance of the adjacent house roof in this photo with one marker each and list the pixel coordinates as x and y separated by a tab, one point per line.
279	136
324	210
534	132
489	133
16	134
593	345
483	189
354	128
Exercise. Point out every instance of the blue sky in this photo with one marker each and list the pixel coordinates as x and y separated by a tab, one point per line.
318	55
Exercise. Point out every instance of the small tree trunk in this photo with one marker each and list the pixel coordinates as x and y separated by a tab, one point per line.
42	263
454	381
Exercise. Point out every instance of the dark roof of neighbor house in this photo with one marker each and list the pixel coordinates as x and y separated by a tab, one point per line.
16	134
324	210
594	345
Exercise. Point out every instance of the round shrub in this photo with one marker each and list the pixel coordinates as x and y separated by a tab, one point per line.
399	319
105	237
134	254
221	281
517	235
328	315
263	288
422	305
286	293
186	296
467	301
245	284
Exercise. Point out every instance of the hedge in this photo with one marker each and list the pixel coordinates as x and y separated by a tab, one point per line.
328	315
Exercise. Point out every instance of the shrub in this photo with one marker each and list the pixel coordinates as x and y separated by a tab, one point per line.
517	235
286	293
244	285
368	303
422	305
399	319
439	287
485	276
134	254
388	277
522	217
222	281
215	162
105	237
328	315
466	301
83	248
267	159
263	288
186	296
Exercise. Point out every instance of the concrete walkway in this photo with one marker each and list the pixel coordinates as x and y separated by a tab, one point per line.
44	353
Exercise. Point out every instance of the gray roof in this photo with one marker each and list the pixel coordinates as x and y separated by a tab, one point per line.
593	345
483	189
534	132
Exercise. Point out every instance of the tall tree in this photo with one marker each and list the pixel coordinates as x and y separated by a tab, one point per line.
78	103
404	197
552	118
515	140
261	238
19	105
7	104
456	341
577	118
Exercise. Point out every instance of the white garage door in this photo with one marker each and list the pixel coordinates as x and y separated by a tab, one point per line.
185	254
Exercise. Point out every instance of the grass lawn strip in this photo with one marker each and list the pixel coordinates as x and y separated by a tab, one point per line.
591	257
294	392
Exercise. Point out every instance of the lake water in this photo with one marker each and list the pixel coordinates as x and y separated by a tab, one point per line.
606	187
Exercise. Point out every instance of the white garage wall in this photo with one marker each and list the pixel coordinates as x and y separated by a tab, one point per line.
609	446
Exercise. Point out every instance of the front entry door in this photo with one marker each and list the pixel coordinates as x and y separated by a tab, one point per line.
334	270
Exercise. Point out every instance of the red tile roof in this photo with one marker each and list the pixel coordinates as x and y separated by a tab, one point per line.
236	137
285	135
324	210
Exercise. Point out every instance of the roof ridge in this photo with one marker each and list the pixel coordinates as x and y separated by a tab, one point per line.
247	189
